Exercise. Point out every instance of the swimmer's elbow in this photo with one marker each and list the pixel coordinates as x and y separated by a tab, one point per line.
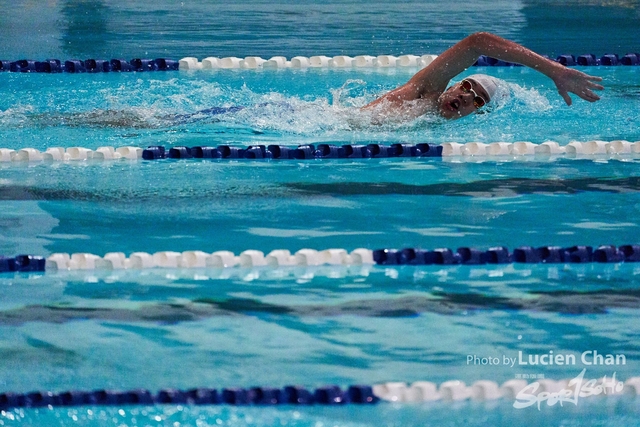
481	38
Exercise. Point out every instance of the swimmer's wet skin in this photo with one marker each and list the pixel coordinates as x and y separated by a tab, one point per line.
427	90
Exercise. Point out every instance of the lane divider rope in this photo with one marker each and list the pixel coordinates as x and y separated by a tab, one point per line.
278	62
187	259
419	391
311	257
480	150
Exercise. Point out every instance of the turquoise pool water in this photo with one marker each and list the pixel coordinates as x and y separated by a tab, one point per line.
265	205
311	326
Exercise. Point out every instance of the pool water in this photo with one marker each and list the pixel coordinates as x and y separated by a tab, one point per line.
313	326
265	205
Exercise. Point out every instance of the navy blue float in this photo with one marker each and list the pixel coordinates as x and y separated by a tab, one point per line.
386	256
410	256
328	151
471	256
378	150
29	263
498	255
306	151
22	264
265	396
179	153
501	255
228	152
577	254
442	256
235	396
401	150
330	395
49	66
97	66
74	66
7	265
568	60
589	59
608	254
163	64
280	151
631	252
204	152
203	396
153	152
74	398
23	66
121	65
301	152
140	65
39	399
631	59
296	395
487	61
609	59
526	255
255	152
349	151
361	394
171	396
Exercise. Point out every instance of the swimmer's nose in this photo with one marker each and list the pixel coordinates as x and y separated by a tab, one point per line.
467	97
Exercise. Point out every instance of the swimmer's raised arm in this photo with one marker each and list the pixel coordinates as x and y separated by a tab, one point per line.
433	80
464	54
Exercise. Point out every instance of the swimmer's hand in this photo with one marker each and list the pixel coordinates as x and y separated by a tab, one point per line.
574	81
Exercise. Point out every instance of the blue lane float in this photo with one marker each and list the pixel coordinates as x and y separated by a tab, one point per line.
23	66
74	66
49	66
97	66
88	65
631	59
289	395
502	255
22	264
300	152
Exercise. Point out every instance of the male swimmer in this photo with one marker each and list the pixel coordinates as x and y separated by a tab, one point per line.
426	91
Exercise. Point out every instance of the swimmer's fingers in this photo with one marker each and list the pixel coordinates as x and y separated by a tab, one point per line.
565	95
595	86
590	77
586	94
590	96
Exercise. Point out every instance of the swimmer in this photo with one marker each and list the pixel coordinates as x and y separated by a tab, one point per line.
427	92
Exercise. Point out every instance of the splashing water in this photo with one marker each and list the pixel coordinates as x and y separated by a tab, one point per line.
288	107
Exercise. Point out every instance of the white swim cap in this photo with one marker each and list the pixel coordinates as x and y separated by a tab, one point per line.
488	83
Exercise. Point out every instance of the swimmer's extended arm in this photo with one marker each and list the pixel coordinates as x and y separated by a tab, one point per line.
436	76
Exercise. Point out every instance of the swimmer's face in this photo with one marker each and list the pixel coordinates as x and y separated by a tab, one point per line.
458	100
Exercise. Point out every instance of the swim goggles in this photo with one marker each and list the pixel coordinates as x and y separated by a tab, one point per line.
467	87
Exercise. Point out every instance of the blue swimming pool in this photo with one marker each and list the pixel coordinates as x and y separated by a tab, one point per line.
310	325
